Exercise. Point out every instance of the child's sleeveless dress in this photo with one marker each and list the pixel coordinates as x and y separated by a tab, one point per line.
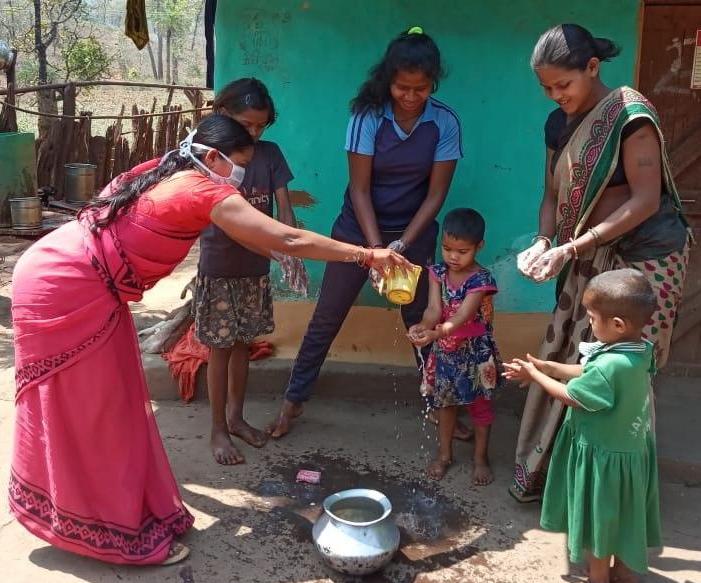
464	366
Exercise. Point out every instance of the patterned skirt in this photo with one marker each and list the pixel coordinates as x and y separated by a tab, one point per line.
460	375
231	310
542	415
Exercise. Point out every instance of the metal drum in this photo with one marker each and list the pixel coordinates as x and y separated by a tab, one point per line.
79	183
26	213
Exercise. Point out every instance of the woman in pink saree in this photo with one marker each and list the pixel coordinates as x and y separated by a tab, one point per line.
89	472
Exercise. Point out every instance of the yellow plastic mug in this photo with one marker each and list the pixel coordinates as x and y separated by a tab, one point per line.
401	284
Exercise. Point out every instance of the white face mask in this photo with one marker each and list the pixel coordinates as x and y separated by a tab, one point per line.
235	177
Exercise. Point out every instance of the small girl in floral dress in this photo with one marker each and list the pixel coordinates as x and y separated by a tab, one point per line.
462	367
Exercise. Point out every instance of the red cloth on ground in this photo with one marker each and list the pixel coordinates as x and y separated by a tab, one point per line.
189	354
184	360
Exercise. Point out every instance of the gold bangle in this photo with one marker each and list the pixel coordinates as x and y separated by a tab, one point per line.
595	234
542	238
575	253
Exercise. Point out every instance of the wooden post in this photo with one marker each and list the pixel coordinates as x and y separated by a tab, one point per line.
8	115
66	137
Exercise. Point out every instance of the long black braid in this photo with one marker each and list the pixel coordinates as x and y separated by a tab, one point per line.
216	131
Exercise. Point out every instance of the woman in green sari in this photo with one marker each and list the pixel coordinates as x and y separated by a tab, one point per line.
610	202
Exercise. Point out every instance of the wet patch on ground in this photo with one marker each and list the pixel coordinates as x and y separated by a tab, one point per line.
431	524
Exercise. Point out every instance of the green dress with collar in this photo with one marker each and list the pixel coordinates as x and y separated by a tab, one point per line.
602	487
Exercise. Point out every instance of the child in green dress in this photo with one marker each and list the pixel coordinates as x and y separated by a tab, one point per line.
602	485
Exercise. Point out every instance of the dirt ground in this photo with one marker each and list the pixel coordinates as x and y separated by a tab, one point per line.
253	522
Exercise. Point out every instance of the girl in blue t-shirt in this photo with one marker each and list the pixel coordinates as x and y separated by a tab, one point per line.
233	300
403	146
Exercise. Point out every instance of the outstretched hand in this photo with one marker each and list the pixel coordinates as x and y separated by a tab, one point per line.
522	371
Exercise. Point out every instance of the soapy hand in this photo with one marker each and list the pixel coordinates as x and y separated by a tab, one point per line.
550	263
376	280
294	274
526	259
399	246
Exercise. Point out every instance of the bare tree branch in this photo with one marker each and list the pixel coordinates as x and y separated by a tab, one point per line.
63	17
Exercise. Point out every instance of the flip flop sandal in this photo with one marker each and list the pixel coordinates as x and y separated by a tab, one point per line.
524	499
178	552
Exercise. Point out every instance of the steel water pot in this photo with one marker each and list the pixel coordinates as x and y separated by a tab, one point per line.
356	535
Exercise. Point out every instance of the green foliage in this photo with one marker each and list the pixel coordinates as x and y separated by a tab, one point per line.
173	15
27	72
194	71
85	60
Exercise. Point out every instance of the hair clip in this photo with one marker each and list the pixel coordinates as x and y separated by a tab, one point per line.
185	147
248	99
415	30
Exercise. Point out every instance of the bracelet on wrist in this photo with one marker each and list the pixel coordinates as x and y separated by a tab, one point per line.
595	234
367	258
543	238
358	257
573	249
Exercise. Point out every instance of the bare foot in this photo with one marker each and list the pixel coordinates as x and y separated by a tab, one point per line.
250	435
223	450
462	432
288	412
438	468
482	474
620	573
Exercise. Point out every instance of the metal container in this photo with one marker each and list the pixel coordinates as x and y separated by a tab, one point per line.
17	171
355	535
79	182
26	213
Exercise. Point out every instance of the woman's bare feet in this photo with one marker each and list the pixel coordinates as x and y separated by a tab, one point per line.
223	449
462	432
438	468
249	434
288	412
482	474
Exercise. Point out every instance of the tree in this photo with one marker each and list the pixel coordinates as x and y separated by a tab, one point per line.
44	37
59	35
171	20
85	59
56	14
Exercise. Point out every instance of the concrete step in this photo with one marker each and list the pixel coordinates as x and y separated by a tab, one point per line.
338	380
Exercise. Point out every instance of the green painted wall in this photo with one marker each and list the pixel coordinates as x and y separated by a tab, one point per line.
314	54
17	170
